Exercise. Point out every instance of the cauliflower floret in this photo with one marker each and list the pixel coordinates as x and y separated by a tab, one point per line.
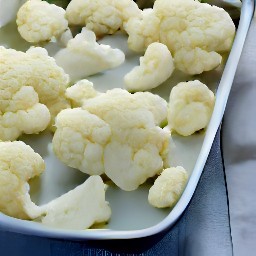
122	99
80	139
155	67
196	61
143	30
101	16
190	107
80	92
23	114
80	208
18	164
48	81
168	187
84	56
185	26
127	125
39	21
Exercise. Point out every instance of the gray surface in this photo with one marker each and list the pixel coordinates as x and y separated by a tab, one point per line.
239	149
203	230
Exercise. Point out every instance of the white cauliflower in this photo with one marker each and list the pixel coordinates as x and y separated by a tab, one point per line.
18	164
168	187
112	128
25	80
155	67
80	208
80	92
143	30
101	16
84	56
196	61
39	21
80	139
193	32
190	107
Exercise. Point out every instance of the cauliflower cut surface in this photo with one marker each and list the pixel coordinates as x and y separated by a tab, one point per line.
168	187
124	139
194	32
39	21
80	208
18	164
101	16
155	67
84	56
25	80
190	107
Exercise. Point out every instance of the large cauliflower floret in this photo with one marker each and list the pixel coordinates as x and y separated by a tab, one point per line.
168	187
190	107
80	139
84	56
155	67
39	21
31	69
101	16
115	127
119	99
185	26
18	164
80	208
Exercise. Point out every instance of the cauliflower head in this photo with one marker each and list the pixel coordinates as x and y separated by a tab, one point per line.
39	21
168	187
84	56
155	67
190	107
18	164
80	208
29	82
112	128
186	27
101	16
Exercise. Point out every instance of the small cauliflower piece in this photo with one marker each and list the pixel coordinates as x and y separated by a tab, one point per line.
195	33
80	208
84	56
155	67
29	82
196	61
80	139
168	187
80	92
101	16
143	30
18	164
39	21
190	107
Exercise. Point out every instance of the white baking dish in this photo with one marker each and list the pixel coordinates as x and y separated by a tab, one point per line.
132	216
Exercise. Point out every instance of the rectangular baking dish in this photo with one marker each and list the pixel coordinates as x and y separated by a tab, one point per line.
132	216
